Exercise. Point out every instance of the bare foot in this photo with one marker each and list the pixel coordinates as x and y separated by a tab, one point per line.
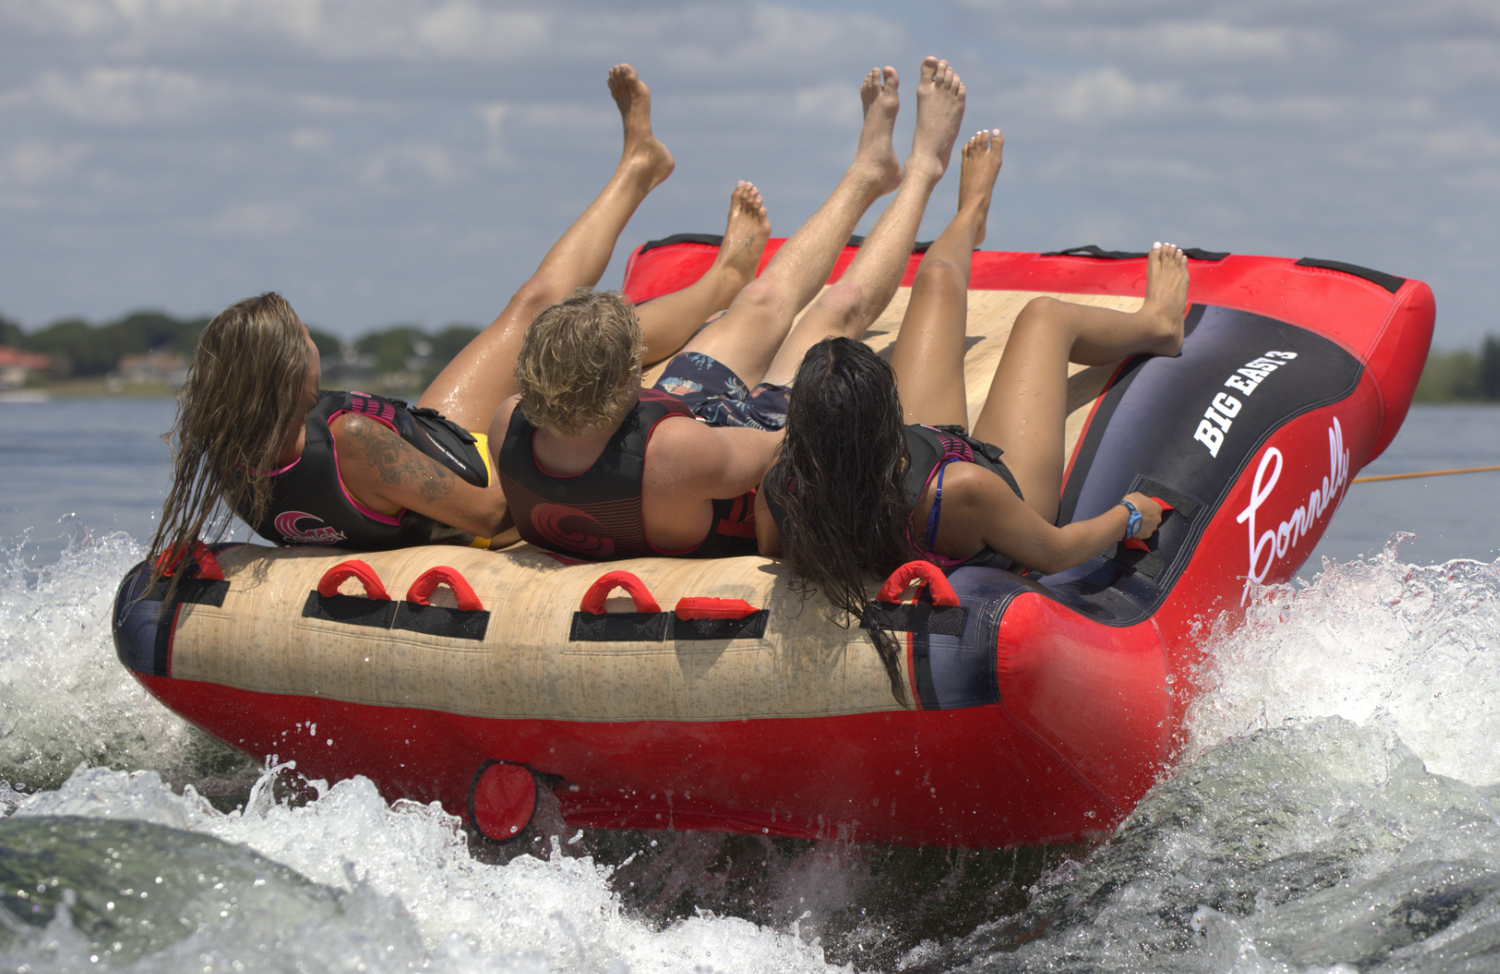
976	177
1166	293
643	152
880	99
745	237
940	111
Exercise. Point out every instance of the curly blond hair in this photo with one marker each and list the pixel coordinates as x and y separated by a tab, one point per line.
580	364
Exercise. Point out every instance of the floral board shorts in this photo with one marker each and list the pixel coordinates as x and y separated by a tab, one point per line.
717	396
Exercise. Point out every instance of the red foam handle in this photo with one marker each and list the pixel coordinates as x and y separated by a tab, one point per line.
208	565
593	599
704	607
328	585
429	580
928	574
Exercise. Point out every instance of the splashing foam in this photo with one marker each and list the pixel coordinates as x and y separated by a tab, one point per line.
408	859
64	698
1367	639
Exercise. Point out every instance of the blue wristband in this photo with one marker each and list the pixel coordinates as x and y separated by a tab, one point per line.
1135	519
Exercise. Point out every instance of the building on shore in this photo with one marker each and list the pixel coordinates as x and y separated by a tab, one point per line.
16	366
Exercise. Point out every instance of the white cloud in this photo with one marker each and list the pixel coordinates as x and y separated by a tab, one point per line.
1105	93
38	162
316	140
384	170
257	220
121	97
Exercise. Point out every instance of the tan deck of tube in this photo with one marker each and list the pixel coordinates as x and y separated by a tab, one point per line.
526	667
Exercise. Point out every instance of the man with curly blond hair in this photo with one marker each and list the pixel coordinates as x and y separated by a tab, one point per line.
593	465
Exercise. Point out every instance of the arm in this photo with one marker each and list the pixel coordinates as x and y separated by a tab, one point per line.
977	504
384	472
689	466
710	461
767	535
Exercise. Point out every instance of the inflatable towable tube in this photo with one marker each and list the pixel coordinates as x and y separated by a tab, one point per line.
714	698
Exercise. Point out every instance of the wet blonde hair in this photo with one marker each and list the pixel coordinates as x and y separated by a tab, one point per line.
580	364
243	393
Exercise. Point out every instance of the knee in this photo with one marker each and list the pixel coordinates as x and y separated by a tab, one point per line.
934	273
759	296
1039	312
844	306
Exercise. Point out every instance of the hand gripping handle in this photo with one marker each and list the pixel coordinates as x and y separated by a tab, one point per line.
1139	544
328	585
593	599
928	574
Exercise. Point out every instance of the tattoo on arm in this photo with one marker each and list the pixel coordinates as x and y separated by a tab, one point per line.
397	462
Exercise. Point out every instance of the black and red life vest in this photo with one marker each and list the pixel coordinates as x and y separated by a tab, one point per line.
597	514
310	505
927	448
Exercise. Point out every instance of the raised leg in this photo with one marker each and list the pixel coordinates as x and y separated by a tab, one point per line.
670	320
847	308
479	378
929	354
747	337
1026	409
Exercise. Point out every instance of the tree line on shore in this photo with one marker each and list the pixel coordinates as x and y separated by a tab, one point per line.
401	358
1462	375
404	358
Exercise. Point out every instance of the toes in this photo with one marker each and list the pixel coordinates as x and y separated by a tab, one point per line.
930	67
888	74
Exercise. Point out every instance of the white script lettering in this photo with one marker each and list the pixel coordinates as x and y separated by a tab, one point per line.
1273	544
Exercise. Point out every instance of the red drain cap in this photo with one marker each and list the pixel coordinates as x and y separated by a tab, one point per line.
502	800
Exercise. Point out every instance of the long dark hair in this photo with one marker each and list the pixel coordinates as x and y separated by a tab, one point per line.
243	391
839	479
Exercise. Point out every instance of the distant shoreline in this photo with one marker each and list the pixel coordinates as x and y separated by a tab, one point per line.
91	388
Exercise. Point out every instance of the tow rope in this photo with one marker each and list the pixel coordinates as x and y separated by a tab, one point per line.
1424	473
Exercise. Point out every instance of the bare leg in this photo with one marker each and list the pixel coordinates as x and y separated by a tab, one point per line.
747	337
473	385
670	320
847	308
929	354
1027	403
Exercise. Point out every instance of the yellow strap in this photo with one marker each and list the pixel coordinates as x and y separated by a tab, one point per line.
482	441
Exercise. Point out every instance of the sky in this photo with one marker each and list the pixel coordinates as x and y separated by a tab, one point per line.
383	162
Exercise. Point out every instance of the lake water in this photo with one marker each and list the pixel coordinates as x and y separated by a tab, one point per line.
1336	808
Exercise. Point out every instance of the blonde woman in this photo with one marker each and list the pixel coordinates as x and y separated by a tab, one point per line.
301	466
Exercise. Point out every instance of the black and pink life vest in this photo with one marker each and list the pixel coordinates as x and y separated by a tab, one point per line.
310	505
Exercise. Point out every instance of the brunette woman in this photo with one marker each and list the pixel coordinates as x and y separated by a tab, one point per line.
876	469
